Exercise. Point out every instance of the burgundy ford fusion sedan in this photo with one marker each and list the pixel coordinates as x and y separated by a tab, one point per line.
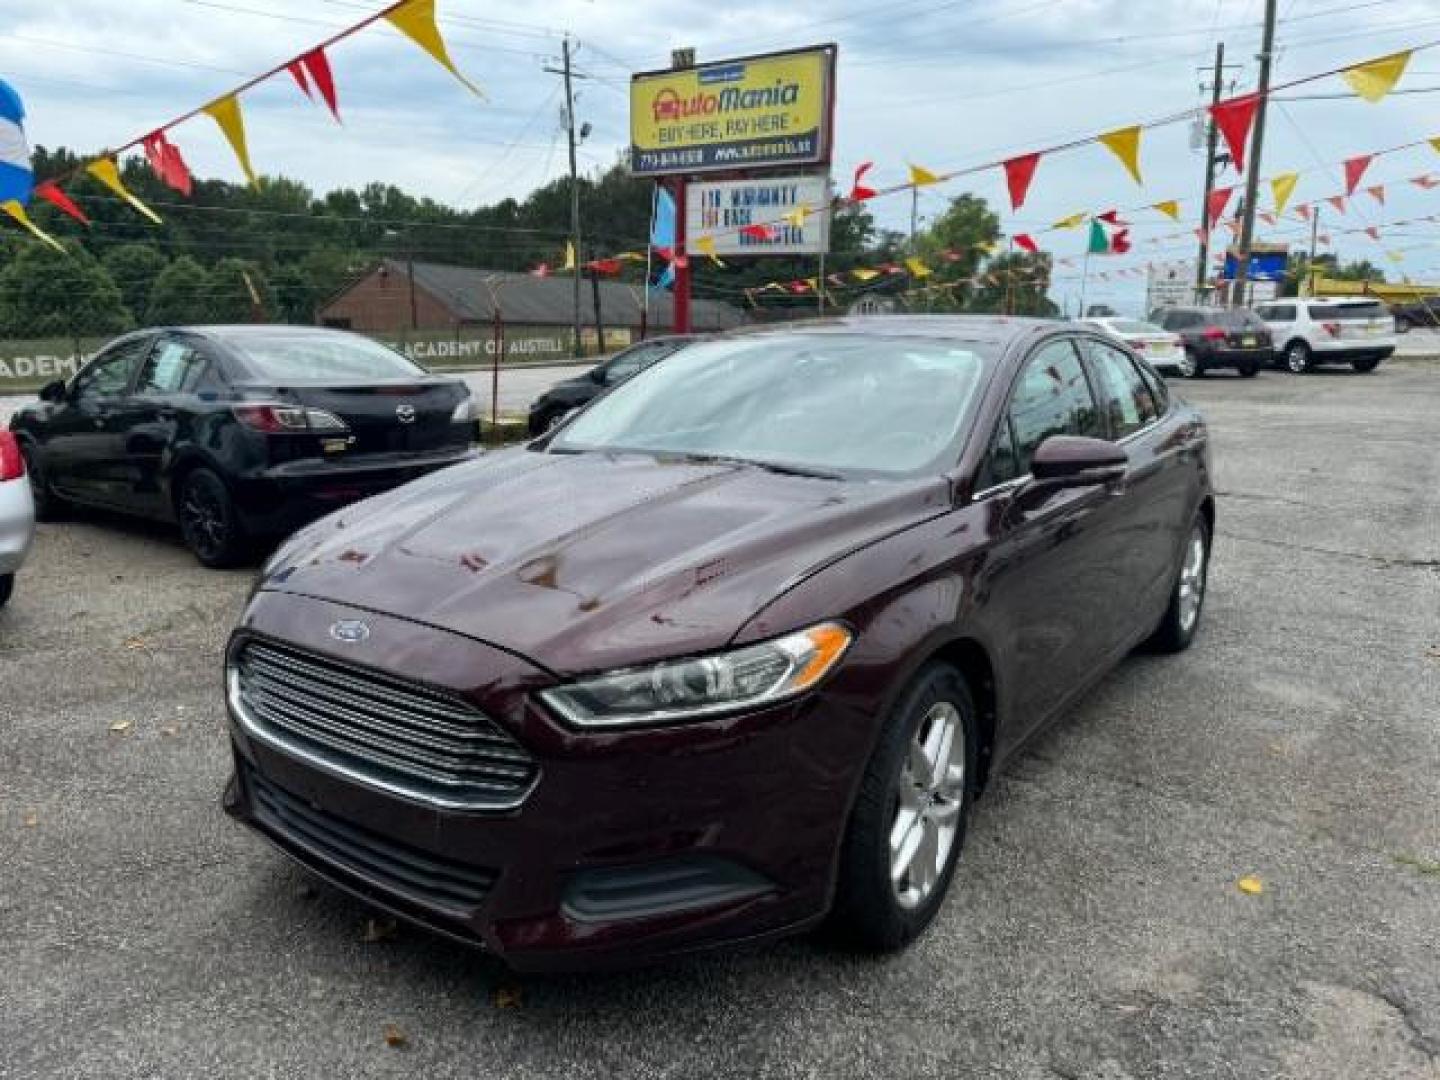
730	653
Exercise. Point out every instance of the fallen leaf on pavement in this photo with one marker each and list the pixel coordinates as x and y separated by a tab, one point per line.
1250	886
507	997
395	1037
378	930
120	726
136	643
31	820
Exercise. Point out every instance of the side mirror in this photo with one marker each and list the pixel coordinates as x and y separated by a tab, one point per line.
1070	461
53	391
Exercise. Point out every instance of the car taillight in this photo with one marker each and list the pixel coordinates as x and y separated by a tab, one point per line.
1331	328
287	419
12	462
1213	333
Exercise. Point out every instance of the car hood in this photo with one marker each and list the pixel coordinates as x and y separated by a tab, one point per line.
591	561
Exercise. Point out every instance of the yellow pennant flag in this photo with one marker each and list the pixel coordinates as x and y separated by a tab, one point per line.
797	216
1435	144
706	246
1125	144
916	267
1395	256
16	211
630	256
1169	207
1071	222
105	170
860	273
416	20
920	176
569	256
1373	80
989	247
226	113
1282	187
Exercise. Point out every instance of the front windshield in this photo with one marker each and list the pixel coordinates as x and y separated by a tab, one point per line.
876	404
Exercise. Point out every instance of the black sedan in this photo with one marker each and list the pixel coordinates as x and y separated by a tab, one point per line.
554	404
239	433
1216	337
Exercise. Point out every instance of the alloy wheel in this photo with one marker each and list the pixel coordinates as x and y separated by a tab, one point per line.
204	520
1186	364
1192	580
928	804
1297	358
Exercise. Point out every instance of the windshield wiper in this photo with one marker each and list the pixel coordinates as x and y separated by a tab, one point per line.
778	467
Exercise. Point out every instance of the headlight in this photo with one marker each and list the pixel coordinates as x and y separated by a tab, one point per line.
690	689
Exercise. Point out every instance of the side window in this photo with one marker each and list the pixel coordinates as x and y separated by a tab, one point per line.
109	376
172	366
1158	390
1001	464
636	359
1052	398
1127	398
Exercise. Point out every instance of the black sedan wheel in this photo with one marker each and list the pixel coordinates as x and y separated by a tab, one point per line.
1189	366
208	520
1187	599
48	505
909	820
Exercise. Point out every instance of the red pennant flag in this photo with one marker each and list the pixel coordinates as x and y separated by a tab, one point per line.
603	266
1215	205
858	191
543	270
798	287
48	191
665	254
757	232
318	65
1372	232
1377	192
1111	217
681	262
1267	217
891	268
1354	170
1324	238
1233	119
297	72
1120	242
1025	243
950	255
1018	174
1427	181
1337	201
164	157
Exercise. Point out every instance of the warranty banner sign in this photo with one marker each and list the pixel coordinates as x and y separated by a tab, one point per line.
751	113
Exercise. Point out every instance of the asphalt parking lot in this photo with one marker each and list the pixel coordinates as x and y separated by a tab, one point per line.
1096	930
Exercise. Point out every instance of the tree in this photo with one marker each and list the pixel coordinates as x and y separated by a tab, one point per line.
1015	284
181	295
239	292
134	268
1297	272
44	293
295	295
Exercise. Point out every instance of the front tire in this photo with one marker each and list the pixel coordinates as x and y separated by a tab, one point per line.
908	824
209	521
1365	364
7	588
1297	358
1182	617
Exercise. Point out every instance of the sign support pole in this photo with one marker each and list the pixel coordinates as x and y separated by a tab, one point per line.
682	263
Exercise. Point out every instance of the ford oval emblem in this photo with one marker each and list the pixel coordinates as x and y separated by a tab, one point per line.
351	631
405	413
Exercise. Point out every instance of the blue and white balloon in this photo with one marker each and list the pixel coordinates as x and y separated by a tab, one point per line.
16	179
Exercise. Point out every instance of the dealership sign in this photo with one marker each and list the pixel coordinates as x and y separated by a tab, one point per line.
756	112
721	209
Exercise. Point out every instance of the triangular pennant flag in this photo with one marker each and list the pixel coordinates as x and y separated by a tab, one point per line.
1376	78
1025	242
16	211
1282	187
543	270
1099	242
1434	143
920	176
416	20
630	256
1074	221
1323	238
1354	170
797	216
1377	192
164	157
1268	218
1395	256
1111	217
105	170
52	194
950	255
1233	119
860	273
858	191
1215	205
296	68
1372	232
1303	209
1120	242
604	267
226	113
1169	207
757	232
1125	145
917	268
1019	172
1337	201
569	256
706	246
1426	181
318	65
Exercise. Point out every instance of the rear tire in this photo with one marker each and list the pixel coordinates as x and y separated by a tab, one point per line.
7	588
1190	365
209	521
48	505
1187	599
1297	358
1248	370
1365	364
911	813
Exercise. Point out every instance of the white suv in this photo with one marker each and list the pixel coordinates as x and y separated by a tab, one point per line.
1310	331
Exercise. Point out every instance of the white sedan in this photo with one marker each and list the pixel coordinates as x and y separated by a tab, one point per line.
1158	345
17	513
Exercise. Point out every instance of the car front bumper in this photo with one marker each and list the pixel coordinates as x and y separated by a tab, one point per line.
17	523
631	846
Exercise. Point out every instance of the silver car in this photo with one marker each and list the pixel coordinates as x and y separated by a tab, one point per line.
1163	349
17	513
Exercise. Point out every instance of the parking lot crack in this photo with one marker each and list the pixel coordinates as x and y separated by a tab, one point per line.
1389	561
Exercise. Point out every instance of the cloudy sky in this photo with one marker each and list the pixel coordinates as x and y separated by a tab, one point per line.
944	83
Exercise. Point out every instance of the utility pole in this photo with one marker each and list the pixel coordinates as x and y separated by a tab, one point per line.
599	317
1310	263
1257	146
568	74
1210	144
914	216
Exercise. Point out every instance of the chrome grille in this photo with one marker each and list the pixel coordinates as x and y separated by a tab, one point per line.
378	729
